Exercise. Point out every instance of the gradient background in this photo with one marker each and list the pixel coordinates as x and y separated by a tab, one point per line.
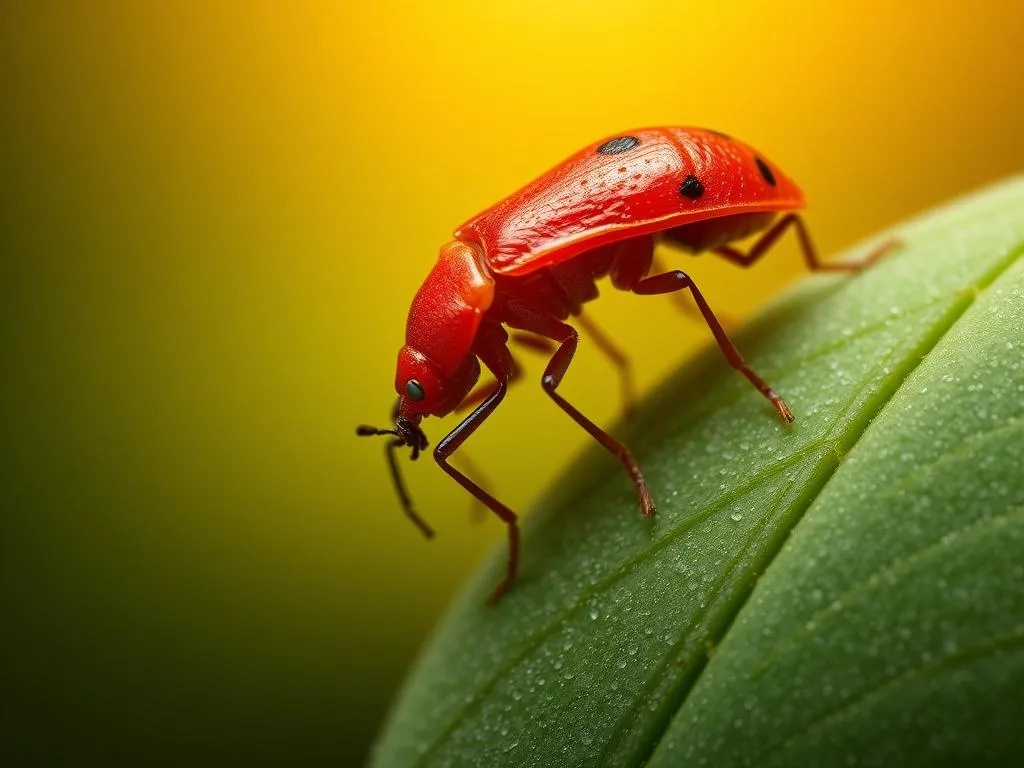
213	218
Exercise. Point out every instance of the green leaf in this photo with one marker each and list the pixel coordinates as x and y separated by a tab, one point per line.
848	590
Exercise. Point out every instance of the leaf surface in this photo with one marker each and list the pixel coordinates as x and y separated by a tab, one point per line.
850	587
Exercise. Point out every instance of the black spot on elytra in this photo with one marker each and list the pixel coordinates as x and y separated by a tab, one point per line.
691	188
618	145
766	172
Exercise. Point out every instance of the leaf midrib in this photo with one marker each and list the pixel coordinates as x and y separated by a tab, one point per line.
945	664
857	428
840	445
967	655
863	583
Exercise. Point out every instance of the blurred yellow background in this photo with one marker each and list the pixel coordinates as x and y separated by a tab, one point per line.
214	217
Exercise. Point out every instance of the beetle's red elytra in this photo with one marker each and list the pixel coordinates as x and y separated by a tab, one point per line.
532	261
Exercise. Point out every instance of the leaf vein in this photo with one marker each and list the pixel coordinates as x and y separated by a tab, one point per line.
902	565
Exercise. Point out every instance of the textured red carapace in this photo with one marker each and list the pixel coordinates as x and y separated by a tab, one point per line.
531	262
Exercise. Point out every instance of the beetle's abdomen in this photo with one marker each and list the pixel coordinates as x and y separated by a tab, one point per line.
711	233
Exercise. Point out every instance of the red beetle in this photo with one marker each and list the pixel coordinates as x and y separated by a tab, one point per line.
532	261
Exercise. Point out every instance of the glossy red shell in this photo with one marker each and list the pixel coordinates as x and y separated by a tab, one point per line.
593	199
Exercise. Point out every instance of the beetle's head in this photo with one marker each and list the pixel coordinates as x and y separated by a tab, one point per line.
437	367
423	388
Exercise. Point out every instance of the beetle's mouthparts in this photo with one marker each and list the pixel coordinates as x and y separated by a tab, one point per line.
407	433
412	435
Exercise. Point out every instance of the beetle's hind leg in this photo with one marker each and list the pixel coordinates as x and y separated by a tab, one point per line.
810	253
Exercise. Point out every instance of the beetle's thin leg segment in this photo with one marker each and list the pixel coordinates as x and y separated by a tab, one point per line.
683	303
481	393
617	357
678	281
814	263
608	348
447	447
568	339
497	359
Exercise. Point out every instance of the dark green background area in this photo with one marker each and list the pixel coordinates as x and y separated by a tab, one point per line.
173	534
164	594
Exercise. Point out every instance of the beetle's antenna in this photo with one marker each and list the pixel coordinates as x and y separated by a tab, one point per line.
396	475
418	521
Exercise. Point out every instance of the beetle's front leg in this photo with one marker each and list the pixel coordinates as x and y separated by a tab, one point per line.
491	349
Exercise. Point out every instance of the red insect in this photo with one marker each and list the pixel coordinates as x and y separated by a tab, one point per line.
532	261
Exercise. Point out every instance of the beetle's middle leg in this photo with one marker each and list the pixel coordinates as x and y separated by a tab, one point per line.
687	305
568	339
526	341
545	346
678	280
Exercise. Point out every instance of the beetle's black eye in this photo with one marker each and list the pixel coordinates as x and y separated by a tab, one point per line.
414	390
